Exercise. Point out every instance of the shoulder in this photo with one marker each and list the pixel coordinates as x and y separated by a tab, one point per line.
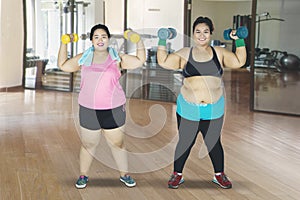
218	49
184	52
78	56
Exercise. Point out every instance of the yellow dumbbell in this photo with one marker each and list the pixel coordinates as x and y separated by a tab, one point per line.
66	38
133	37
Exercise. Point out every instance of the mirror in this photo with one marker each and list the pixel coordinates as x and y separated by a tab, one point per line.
277	57
46	22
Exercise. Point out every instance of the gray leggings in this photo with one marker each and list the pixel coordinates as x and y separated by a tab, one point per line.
188	132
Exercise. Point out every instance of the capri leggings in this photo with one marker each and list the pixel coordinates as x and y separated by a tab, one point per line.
210	126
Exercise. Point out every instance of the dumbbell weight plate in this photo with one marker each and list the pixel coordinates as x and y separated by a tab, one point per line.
163	33
75	37
126	34
65	39
135	38
173	33
226	34
242	32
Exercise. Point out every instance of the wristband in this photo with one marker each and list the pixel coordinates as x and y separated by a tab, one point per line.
162	42
240	43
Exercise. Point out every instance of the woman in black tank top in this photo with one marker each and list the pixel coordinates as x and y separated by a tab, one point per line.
201	63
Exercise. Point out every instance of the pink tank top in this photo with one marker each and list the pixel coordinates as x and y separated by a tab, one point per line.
100	88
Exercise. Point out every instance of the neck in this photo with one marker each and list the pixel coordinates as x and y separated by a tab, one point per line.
201	48
101	52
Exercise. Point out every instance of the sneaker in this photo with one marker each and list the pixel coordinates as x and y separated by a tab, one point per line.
81	182
175	180
129	182
222	181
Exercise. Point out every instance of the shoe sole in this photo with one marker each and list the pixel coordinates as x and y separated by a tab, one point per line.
127	184
216	182
80	186
175	187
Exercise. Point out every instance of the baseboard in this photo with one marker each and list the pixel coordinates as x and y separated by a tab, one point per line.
12	89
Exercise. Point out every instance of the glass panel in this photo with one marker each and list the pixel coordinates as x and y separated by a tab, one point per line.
277	52
47	21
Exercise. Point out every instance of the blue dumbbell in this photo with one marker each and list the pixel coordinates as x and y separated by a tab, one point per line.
241	32
166	33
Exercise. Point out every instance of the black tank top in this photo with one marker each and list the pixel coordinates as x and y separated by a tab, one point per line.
208	68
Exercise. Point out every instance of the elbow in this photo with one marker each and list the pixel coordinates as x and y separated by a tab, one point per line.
137	64
60	66
161	62
242	63
140	63
163	65
143	59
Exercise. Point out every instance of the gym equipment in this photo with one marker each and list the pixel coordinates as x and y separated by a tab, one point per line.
288	62
282	60
133	37
66	38
241	32
166	33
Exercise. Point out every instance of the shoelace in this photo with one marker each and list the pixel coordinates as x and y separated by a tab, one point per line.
224	179
173	177
128	178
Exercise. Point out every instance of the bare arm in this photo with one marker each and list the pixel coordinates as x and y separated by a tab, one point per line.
174	61
237	59
131	61
234	60
65	64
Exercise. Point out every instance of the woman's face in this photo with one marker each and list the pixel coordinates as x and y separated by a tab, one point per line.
202	34
100	39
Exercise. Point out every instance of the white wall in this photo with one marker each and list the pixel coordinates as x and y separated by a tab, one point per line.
147	16
290	28
98	11
277	35
114	15
11	40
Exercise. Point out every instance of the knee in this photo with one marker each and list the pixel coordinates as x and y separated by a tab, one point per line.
115	138
119	143
213	145
89	143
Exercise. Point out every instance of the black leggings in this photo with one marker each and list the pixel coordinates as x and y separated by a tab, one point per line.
188	131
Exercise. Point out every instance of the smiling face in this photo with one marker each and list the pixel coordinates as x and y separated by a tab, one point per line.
202	34
100	40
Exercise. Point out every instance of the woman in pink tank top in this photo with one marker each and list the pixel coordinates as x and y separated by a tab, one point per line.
101	98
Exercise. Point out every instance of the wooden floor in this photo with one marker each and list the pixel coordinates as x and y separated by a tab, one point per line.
39	146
